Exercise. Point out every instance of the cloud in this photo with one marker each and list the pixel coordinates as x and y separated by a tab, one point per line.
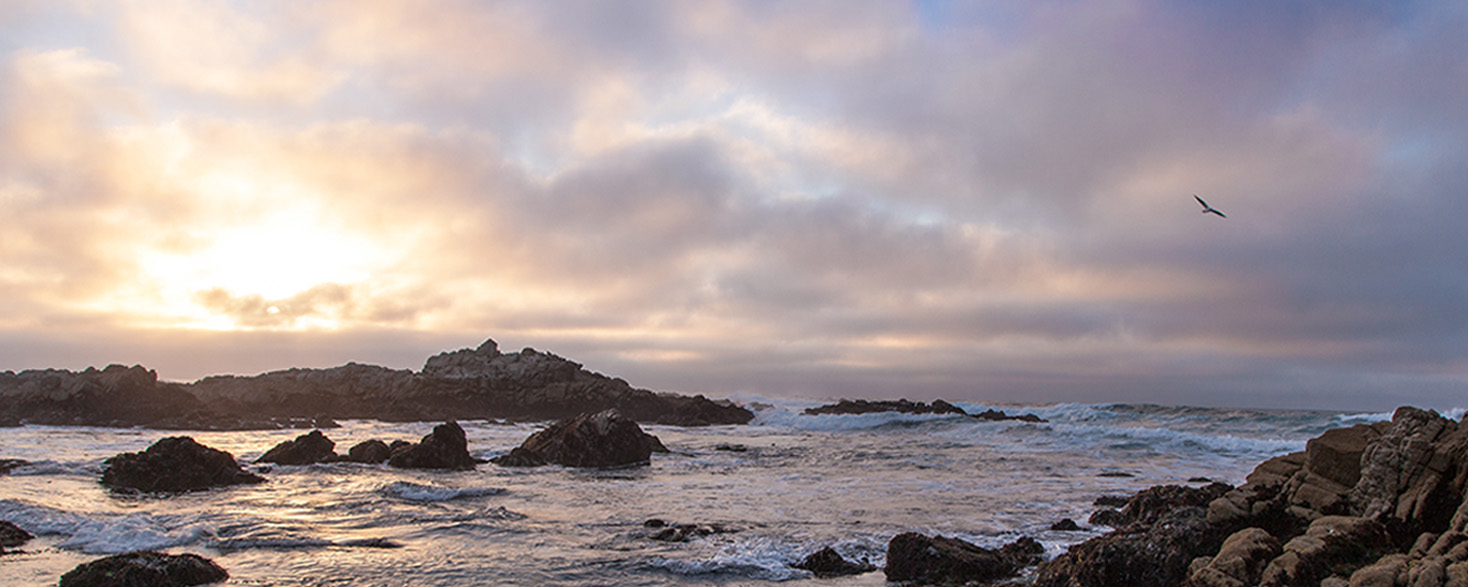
815	198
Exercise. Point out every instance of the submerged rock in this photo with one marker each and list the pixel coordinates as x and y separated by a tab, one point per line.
939	559
175	464
445	448
12	536
6	465
600	440
153	569
826	562
306	449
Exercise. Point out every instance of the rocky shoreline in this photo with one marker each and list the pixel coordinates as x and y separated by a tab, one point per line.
467	384
1384	504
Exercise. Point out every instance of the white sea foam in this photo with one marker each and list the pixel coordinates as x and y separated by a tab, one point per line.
409	491
758	558
113	535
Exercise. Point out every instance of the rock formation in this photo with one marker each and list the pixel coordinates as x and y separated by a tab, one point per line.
943	560
480	383
12	536
173	465
904	406
6	465
305	449
145	568
603	439
445	448
826	563
1380	504
371	452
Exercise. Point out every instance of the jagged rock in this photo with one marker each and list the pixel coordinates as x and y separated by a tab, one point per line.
904	406
1065	525
12	536
114	396
1139	555
306	449
445	448
939	559
1000	416
603	439
664	532
826	562
1388	571
1153	503
1107	517
153	569
1239	562
371	452
175	464
6	465
1414	473
1332	545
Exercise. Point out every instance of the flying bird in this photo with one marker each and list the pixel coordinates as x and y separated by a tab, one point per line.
1207	208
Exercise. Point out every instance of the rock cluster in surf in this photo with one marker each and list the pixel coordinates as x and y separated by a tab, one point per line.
1370	505
479	383
904	406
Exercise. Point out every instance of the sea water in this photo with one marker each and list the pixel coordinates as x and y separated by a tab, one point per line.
779	488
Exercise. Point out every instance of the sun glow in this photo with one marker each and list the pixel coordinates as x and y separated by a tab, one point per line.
258	246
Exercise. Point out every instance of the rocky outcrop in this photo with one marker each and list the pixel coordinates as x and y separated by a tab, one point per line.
826	563
445	448
904	406
174	465
12	536
371	452
305	449
662	531
944	560
481	383
114	396
599	440
1380	504
145	568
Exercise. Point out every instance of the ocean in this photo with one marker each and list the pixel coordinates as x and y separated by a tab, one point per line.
770	493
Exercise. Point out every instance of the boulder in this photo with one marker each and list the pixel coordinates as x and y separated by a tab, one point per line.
1332	545
371	452
826	562
445	448
1138	555
154	569
939	559
600	440
1065	525
306	449
664	532
12	536
1239	562
175	464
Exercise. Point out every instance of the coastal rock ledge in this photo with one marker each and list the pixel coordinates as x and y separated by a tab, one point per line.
1370	505
467	384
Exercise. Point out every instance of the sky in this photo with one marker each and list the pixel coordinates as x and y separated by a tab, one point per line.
981	201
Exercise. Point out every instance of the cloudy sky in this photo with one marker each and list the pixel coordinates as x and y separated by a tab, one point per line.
971	200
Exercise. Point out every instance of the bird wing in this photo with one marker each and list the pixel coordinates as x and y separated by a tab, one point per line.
1200	201
1217	212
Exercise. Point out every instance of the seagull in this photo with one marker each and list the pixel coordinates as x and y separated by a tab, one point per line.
1207	208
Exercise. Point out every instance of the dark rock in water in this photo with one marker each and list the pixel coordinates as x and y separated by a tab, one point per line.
1200	480
175	464
862	406
999	416
603	439
1065	525
826	562
445	448
12	536
145	568
938	559
7	464
731	448
371	452
1116	474
1112	501
1107	517
519	457
665	532
1137	556
306	449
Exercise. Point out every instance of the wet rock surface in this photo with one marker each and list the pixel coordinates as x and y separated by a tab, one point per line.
600	440
1378	504
826	563
942	560
305	449
145	568
445	448
904	406
175	464
12	536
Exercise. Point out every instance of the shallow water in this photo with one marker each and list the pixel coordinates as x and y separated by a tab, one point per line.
801	482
